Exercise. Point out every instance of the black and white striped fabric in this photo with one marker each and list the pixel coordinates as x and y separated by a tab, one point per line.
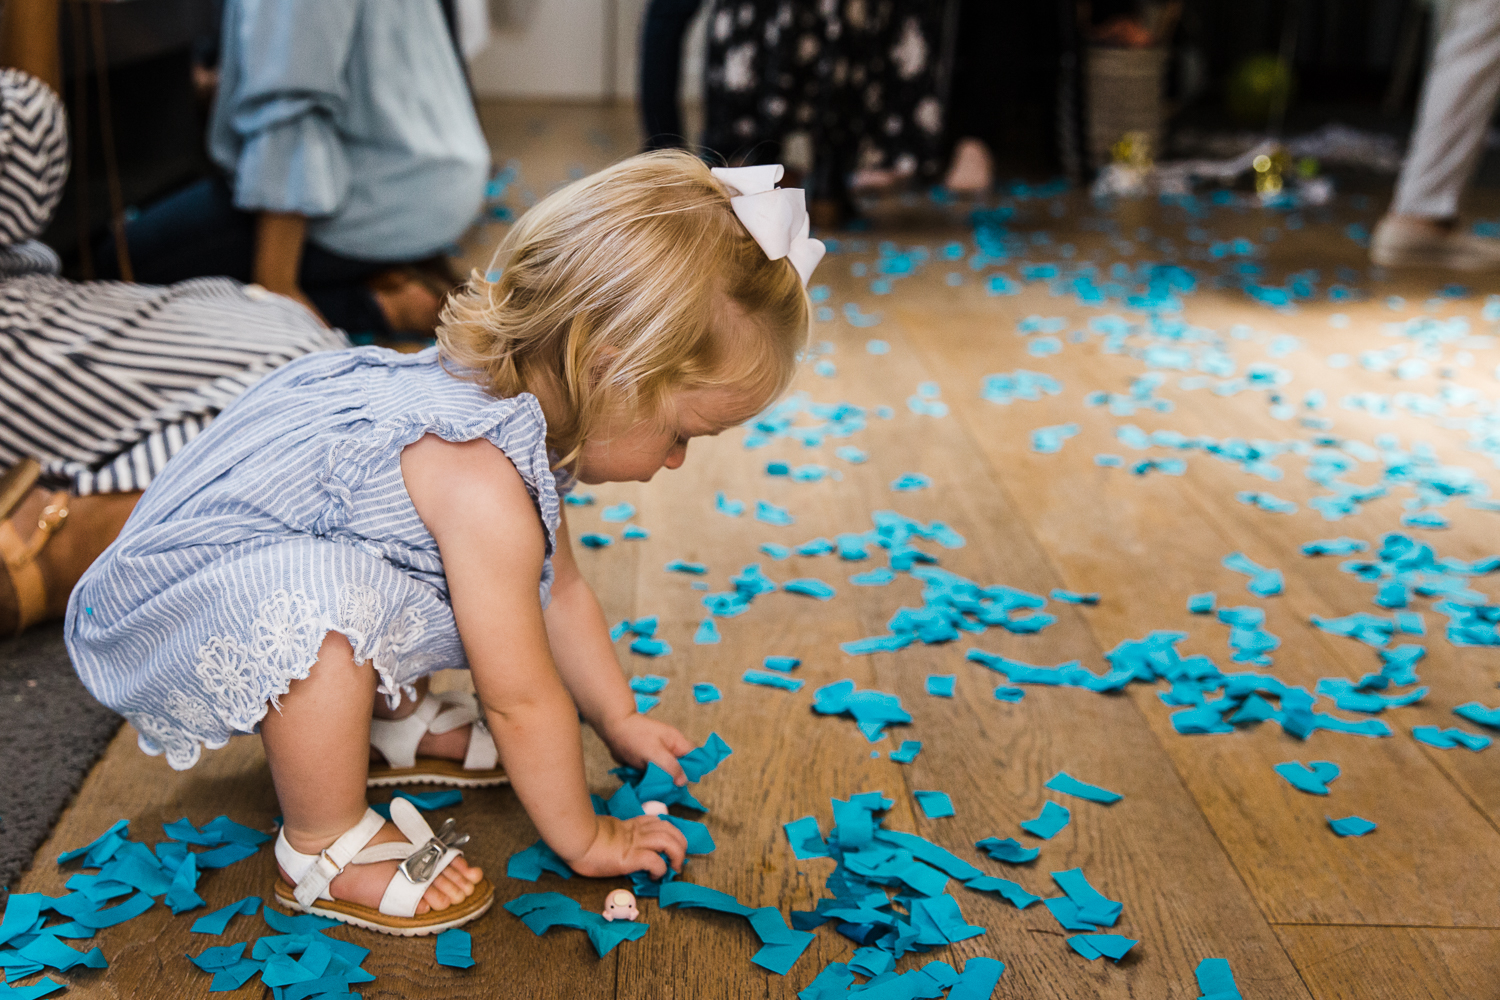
103	382
33	154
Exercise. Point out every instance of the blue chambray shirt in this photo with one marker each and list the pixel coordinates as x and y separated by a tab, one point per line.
354	113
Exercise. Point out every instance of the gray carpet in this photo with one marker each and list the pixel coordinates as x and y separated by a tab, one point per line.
51	732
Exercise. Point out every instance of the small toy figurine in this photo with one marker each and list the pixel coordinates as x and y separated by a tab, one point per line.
654	808
620	905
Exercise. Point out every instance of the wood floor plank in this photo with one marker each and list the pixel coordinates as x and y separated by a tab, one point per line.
1391	963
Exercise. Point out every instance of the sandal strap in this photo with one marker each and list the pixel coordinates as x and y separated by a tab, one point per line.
314	871
397	739
16	483
482	755
403	893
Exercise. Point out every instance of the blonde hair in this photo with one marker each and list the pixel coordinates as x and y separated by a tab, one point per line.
613	288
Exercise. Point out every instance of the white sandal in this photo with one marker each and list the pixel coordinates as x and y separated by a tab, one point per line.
423	856
397	740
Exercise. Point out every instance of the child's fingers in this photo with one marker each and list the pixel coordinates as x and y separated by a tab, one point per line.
651	862
673	843
668	762
677	743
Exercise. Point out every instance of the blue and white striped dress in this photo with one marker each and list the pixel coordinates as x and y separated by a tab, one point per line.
286	519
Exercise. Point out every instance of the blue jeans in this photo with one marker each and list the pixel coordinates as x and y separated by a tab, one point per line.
198	233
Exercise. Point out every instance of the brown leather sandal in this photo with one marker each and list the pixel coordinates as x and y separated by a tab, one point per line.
19	557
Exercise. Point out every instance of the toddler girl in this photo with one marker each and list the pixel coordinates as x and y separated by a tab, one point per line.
360	519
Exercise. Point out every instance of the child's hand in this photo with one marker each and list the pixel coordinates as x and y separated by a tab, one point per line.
635	740
624	846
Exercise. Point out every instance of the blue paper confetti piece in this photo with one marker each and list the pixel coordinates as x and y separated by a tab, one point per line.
781	946
1046	826
809	587
1216	980
806	840
1008	850
1479	714
1092	946
1065	783
907	752
910	482
878	577
218	921
704	693
594	540
1310	778
1350	826
1447	739
541	911
769	513
935	805
782	664
617	513
941	685
1072	597
635	532
707	633
1202	604
765	679
529	864
682	566
1007	693
648	646
980	977
1049	440
454	949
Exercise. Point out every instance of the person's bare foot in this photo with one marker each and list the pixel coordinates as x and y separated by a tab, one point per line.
972	170
1418	241
366	884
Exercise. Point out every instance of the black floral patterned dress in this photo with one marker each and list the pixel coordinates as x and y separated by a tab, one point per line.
864	80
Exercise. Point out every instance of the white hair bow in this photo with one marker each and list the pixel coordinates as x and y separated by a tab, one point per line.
776	217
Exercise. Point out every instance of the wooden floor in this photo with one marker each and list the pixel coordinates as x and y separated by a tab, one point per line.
1212	854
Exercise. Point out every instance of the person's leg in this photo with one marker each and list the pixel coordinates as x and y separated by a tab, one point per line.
317	745
1457	102
662	32
195	233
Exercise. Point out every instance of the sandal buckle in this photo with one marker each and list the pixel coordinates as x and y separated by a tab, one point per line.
337	868
420	865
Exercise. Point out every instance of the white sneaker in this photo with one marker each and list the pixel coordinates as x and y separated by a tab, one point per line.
1400	243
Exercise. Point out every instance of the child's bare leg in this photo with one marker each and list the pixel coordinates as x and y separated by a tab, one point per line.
317	746
452	745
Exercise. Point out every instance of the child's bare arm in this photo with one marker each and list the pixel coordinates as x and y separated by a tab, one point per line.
585	658
475	504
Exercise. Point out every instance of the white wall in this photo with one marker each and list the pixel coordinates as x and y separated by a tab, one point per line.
582	50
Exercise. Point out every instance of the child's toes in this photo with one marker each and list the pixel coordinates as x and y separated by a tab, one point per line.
466	870
434	899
